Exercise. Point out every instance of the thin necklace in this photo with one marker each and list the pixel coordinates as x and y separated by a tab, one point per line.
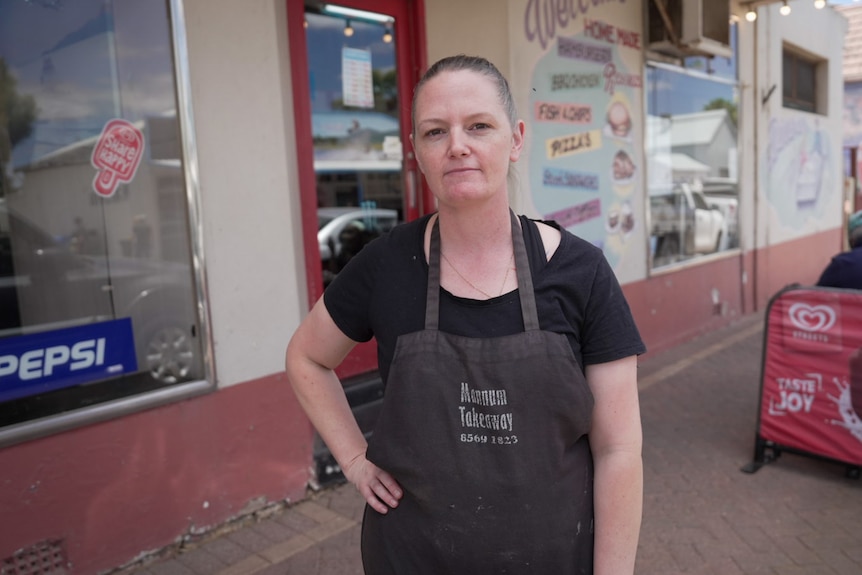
469	283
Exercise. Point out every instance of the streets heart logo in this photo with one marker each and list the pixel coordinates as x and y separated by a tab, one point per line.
817	318
813	327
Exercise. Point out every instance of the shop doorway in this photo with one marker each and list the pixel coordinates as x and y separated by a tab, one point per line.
354	67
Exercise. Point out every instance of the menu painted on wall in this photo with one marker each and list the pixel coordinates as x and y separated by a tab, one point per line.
584	162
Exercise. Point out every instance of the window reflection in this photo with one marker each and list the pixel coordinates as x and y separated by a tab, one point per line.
76	259
691	145
356	132
343	231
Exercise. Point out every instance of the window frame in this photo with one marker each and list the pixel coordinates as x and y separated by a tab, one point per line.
732	250
798	58
112	409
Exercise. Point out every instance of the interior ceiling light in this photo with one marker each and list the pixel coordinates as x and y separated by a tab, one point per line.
348	29
820	4
751	15
785	9
358	14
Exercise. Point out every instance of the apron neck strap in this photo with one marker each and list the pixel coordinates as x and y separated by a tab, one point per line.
522	268
432	299
525	277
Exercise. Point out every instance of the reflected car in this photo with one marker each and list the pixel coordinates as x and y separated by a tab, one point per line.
341	229
46	285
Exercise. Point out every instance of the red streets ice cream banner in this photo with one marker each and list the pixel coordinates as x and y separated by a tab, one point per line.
812	373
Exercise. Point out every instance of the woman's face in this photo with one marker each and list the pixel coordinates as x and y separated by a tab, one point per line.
463	140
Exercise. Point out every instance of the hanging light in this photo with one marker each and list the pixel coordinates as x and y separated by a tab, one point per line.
387	35
820	4
785	9
751	15
348	29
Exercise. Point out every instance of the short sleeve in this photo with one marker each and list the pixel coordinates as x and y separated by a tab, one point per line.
348	297
609	329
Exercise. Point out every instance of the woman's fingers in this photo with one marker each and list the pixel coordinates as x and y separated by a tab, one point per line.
379	497
375	502
387	489
380	490
392	488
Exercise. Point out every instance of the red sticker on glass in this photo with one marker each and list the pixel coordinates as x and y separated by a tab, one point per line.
116	155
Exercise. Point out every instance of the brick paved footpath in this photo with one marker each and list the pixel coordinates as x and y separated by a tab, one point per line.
702	515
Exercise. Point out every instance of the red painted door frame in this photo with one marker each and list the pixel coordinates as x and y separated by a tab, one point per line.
411	60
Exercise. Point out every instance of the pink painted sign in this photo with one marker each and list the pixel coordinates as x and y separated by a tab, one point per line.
116	155
577	214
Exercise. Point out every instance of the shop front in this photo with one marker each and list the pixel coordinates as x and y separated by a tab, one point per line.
180	180
137	292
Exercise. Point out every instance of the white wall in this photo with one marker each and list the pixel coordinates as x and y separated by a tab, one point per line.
788	138
747	122
474	27
241	94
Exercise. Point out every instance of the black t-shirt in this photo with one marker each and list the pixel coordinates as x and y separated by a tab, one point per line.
381	293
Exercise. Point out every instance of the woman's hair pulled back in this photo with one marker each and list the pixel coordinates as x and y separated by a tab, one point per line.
473	64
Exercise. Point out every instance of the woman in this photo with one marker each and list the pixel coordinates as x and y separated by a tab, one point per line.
509	439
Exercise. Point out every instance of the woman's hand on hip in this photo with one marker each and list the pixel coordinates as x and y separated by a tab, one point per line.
379	489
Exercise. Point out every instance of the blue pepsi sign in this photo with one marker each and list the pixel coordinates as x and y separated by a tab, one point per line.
42	362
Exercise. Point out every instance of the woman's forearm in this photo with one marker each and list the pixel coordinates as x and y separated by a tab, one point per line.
315	350
320	393
618	509
321	396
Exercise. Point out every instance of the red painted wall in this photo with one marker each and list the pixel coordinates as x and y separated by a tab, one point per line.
115	489
798	261
672	307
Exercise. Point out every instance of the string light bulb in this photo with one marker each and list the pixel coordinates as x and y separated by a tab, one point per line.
387	35
785	9
820	4
348	29
751	15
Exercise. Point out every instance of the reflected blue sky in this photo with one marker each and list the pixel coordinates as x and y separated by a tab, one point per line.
86	62
325	37
671	93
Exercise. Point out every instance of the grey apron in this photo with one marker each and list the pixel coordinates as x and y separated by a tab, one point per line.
488	438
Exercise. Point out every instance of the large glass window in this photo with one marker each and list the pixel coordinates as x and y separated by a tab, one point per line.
355	128
692	166
96	287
